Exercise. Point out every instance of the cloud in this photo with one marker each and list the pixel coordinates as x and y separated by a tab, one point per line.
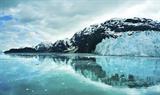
34	21
148	9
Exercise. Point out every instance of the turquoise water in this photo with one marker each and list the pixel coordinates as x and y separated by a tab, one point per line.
78	74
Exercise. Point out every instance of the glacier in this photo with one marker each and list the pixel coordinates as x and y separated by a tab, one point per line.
137	43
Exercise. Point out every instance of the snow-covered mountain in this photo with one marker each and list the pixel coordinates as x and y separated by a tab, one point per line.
90	38
66	45
42	47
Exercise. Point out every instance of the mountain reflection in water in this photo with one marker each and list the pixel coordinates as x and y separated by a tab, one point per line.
133	72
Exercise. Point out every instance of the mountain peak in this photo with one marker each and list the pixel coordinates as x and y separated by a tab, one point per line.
43	46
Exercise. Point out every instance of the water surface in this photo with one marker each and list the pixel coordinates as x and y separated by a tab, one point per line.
78	74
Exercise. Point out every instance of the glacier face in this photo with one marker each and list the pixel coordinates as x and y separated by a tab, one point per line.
139	43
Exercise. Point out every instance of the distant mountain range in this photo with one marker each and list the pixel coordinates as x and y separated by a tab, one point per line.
86	40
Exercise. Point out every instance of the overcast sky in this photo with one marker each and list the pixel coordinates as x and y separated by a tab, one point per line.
29	22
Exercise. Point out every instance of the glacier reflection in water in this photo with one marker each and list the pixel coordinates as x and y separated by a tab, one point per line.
69	74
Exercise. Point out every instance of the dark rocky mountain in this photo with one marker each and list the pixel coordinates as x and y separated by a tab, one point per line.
22	50
86	40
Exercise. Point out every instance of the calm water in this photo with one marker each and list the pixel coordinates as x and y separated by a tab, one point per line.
78	74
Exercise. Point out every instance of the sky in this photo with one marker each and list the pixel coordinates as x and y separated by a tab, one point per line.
29	22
